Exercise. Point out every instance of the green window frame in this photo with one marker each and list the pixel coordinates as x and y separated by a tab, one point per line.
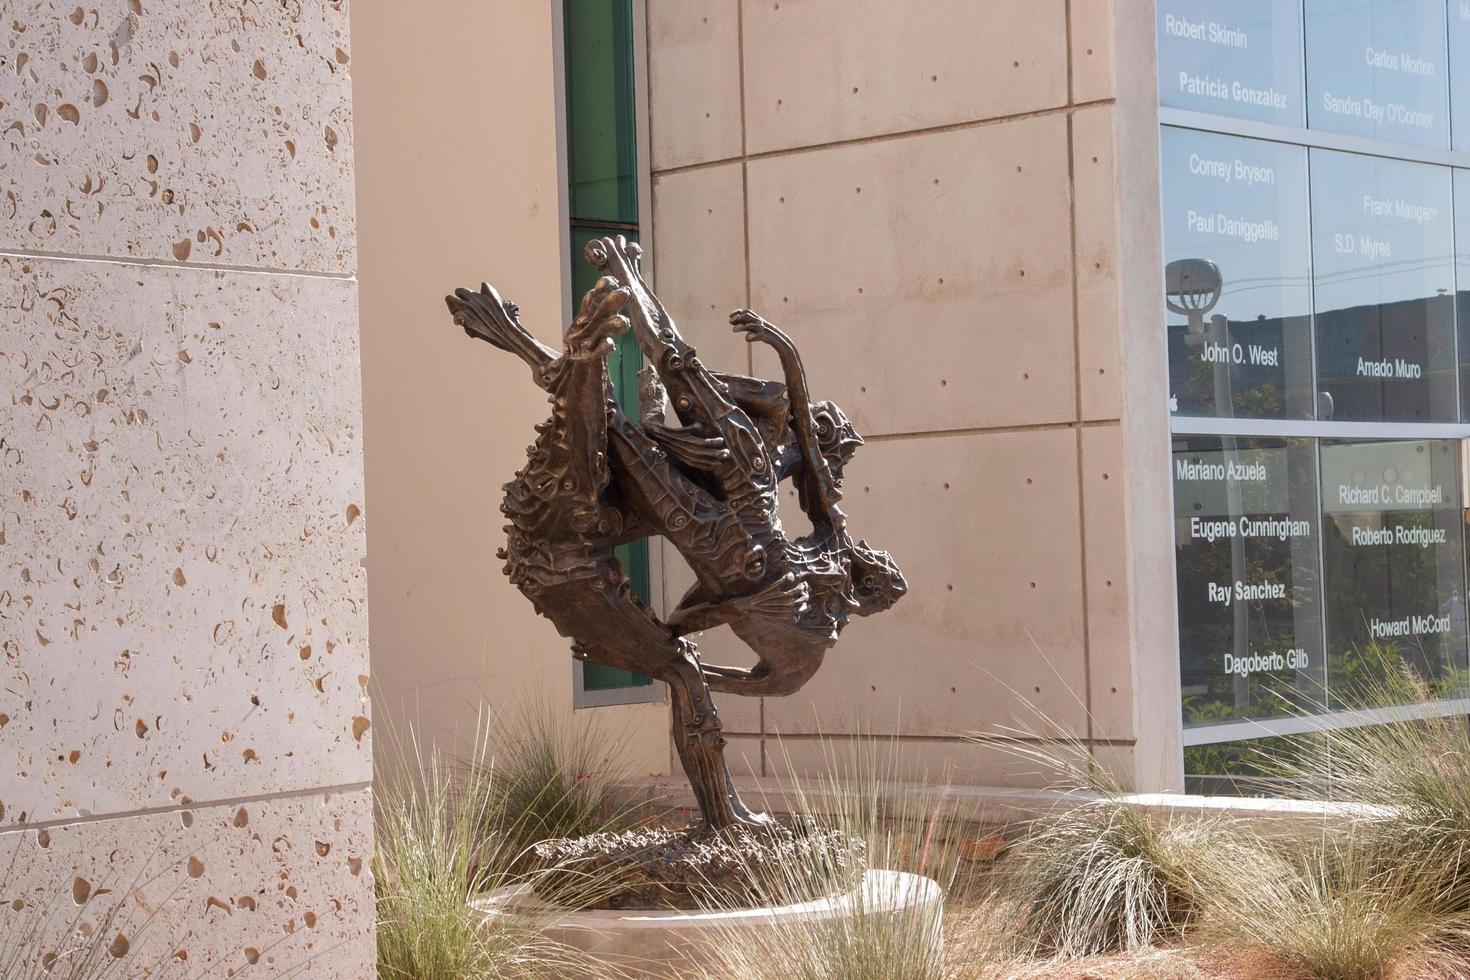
603	180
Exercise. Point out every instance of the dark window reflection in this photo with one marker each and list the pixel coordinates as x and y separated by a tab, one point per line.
1232	57
1378	69
1249	767
1393	559
1250	621
1236	237
1462	278
1384	278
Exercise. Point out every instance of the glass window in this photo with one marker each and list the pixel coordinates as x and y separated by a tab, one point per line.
1250	611
1237	240
1250	767
1460	73
1384	281
1378	69
602	161
602	149
1462	280
623	364
1393	554
1232	57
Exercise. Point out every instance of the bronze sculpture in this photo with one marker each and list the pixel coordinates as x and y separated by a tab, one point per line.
596	479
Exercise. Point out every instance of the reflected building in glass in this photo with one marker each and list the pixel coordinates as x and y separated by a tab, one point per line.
1393	548
1383	285
1250	598
1240	342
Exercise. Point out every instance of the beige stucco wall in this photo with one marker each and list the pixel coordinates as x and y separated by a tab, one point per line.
184	723
458	181
949	206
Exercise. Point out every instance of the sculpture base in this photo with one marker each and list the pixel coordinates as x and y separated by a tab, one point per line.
660	868
668	943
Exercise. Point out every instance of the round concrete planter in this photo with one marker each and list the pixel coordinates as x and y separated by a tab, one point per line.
654	943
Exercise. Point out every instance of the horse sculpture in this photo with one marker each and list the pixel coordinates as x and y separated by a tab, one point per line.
596	479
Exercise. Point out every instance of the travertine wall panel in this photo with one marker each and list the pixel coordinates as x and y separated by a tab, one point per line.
256	888
1095	190
694	81
182	603
817	71
928	278
965	644
178	130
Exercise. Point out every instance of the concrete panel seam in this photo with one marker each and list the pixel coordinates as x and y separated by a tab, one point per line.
976	739
991	430
889	137
192	805
171	264
1071	87
1077	395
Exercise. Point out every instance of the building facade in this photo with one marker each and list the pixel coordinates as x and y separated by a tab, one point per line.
1147	312
939	218
1153	316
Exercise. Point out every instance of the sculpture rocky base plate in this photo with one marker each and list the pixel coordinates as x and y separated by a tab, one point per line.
660	868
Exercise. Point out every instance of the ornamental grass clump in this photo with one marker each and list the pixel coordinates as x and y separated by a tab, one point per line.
1337	907
1097	874
1412	776
444	839
1102	876
887	929
546	776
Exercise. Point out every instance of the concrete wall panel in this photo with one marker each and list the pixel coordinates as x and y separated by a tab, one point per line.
182	602
956	762
447	419
178	130
927	279
818	71
256	888
1096	195
699	259
1092	49
694	81
986	530
1106	574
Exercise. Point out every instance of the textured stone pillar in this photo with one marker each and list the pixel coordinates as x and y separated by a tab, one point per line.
183	693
